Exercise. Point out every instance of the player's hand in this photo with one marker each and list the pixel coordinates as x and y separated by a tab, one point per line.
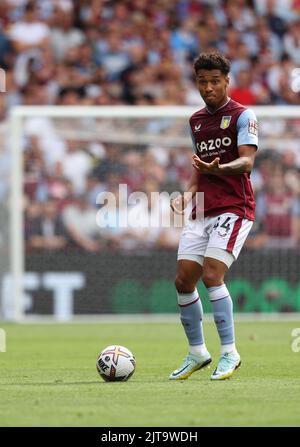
178	204
207	168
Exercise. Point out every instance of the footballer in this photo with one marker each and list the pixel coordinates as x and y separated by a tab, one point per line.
225	141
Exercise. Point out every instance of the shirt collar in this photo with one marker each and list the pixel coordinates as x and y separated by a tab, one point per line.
212	113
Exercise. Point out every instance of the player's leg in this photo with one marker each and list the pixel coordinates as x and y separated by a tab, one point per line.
192	246
214	272
190	307
191	314
226	241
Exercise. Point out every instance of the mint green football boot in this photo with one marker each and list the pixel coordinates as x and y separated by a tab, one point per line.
191	363
228	363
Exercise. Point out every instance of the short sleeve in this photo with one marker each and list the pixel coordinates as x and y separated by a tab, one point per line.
247	128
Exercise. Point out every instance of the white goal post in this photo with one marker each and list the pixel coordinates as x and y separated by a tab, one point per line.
16	120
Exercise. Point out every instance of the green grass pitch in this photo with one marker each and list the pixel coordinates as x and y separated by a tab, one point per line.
48	377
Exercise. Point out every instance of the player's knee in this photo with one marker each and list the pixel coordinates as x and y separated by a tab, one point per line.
211	278
183	285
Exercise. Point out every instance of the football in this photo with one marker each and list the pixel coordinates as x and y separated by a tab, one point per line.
115	364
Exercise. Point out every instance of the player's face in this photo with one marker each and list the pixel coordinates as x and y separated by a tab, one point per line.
212	85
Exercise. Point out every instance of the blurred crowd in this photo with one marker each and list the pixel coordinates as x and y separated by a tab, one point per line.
75	200
140	52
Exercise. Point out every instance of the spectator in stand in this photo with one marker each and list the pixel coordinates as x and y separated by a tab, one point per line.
111	164
282	8
45	230
134	170
184	42
279	80
276	23
269	47
93	188
64	35
114	58
242	92
76	165
4	47
278	209
257	238
79	220
53	185
291	41
150	214
34	168
29	33
259	86
291	171
239	15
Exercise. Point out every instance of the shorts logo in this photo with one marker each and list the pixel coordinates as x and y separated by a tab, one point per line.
223	234
197	128
252	127
225	122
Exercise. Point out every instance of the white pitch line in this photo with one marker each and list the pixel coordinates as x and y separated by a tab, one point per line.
158	318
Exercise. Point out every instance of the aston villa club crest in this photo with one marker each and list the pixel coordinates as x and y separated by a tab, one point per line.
225	122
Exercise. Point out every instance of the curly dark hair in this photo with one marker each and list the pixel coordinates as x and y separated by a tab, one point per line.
212	61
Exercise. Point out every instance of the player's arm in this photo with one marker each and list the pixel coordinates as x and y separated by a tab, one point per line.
179	203
241	165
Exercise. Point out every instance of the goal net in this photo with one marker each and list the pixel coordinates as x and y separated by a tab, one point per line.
72	242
